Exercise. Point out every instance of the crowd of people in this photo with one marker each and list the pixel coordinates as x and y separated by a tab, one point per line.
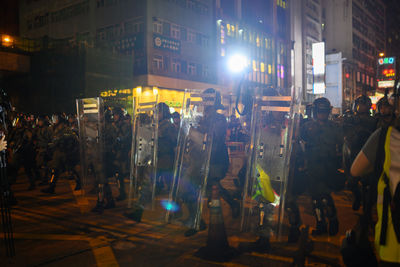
329	154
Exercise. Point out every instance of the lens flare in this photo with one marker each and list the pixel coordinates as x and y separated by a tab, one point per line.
169	205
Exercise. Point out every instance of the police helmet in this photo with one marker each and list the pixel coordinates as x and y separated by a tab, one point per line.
118	111
384	101
321	105
58	118
362	100
164	110
212	97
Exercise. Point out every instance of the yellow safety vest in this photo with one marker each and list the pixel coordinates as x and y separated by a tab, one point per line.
389	252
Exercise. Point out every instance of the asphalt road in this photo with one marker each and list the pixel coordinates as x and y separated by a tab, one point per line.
59	230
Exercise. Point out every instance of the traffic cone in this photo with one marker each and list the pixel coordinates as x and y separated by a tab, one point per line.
217	248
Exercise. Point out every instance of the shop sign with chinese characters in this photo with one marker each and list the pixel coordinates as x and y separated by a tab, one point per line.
166	43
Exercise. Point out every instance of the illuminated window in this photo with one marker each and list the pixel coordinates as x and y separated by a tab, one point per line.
358	76
176	65
269	69
205	72
222	34
158	62
191	37
258	41
204	41
228	27
255	65
192	69
372	81
158	27
262	67
222	52
175	32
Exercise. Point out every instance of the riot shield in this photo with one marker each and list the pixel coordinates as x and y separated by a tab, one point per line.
265	186
192	162
143	177
91	136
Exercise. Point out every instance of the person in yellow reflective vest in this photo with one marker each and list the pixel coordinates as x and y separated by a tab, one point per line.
384	144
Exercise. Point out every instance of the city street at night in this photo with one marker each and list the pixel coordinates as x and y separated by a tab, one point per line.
60	231
199	133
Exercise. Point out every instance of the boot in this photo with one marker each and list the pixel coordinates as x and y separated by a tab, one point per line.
294	234
121	187
44	182
99	208
50	189
121	197
108	196
31	187
110	204
78	186
333	226
136	213
261	245
193	231
321	229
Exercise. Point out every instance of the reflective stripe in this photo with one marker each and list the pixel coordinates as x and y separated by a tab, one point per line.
391	250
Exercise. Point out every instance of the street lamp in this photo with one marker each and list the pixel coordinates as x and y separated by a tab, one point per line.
237	63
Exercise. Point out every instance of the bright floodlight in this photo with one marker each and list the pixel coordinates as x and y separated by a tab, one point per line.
237	63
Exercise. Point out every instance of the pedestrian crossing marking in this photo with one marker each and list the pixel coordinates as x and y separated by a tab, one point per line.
83	202
104	255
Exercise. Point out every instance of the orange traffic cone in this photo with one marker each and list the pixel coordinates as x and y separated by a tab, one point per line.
217	248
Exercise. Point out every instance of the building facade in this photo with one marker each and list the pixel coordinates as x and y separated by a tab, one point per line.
171	42
260	31
357	29
307	22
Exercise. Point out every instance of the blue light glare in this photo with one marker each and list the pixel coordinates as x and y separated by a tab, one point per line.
170	205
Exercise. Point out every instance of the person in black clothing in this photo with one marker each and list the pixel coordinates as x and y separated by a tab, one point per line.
22	152
219	160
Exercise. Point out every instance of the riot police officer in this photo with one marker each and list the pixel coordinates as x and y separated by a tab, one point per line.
42	138
167	137
121	135
322	142
357	128
219	159
65	152
23	152
385	114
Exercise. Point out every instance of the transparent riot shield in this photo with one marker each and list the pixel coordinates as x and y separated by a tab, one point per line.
143	177
268	164
91	134
192	161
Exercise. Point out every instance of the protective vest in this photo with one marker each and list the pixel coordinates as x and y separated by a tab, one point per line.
386	241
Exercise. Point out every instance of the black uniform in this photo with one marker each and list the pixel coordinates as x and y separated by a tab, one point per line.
64	148
22	153
120	134
42	138
323	140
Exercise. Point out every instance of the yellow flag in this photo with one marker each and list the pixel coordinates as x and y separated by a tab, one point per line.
265	184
